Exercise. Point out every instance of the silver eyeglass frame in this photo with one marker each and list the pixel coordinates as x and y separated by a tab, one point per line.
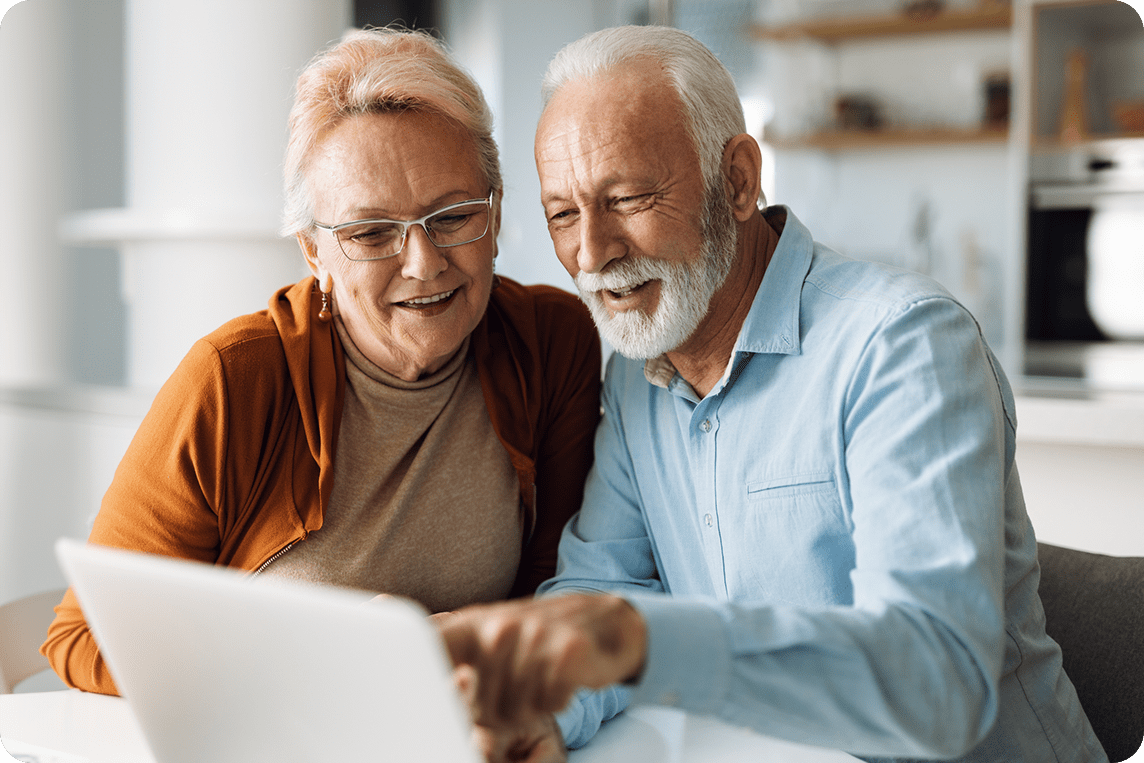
406	225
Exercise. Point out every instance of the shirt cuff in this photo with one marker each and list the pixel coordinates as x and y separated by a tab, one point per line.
688	662
571	721
584	715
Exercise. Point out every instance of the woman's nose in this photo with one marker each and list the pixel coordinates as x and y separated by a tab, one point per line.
421	258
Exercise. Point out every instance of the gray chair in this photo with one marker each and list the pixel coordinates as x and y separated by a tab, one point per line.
1094	608
23	627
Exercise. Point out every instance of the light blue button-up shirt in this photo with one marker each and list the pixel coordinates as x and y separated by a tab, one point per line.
839	525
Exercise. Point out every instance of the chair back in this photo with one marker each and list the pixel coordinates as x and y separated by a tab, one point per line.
23	628
1094	608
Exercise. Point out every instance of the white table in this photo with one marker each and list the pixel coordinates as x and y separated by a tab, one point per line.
663	735
75	726
91	727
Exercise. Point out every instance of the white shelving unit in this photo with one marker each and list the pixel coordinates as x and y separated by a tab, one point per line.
888	27
930	190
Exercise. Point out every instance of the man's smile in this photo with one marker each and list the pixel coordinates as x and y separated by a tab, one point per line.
641	296
626	291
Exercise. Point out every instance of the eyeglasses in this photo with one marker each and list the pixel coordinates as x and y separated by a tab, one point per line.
454	225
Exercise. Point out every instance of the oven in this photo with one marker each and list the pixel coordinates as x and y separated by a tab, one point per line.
1085	266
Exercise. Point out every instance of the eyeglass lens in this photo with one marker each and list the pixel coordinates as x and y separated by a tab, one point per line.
452	226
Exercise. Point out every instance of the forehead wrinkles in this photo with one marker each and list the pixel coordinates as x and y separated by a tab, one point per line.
391	165
588	149
578	156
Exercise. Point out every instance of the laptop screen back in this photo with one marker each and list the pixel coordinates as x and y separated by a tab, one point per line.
220	666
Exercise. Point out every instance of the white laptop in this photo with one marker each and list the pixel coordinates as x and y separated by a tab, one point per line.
218	666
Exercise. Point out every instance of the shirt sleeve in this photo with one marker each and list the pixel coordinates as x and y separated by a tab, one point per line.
910	668
604	548
587	711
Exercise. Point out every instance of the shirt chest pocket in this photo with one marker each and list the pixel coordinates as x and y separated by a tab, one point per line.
791	487
798	547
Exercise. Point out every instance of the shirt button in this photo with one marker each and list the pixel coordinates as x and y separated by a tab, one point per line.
710	520
706	425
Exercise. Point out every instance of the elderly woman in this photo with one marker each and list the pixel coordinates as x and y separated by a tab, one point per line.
403	421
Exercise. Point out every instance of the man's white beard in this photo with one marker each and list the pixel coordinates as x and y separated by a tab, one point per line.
684	294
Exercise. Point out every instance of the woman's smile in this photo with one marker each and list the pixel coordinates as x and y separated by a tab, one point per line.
418	303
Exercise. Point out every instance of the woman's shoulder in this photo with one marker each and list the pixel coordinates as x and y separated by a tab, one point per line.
266	331
243	354
245	334
239	367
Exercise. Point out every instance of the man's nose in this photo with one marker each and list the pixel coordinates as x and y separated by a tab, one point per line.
601	241
421	259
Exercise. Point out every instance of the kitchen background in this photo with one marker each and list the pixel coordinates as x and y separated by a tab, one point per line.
998	147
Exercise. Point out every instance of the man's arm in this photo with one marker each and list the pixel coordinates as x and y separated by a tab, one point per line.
605	548
911	667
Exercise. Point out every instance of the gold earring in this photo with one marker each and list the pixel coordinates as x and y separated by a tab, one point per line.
325	286
324	314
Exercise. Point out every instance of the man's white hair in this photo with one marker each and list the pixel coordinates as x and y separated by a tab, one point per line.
714	114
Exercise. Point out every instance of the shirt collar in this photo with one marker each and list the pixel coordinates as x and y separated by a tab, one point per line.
772	325
659	371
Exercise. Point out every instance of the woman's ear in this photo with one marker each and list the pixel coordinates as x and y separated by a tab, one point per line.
310	252
494	230
742	168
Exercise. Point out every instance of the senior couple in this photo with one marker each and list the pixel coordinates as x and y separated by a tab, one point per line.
799	511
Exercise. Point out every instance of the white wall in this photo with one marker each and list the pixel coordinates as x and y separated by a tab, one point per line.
33	190
1081	462
58	451
941	211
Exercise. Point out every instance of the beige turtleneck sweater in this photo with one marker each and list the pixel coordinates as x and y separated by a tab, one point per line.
425	501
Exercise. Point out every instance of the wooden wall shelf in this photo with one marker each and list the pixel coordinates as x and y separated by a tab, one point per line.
1052	143
849	140
992	15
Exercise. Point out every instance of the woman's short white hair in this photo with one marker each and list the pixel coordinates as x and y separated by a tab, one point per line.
714	114
375	71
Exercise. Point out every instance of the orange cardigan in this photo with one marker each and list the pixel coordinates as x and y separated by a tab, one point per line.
234	461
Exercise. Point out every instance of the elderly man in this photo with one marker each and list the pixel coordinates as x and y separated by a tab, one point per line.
813	456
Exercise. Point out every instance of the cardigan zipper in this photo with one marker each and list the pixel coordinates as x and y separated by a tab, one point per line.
273	559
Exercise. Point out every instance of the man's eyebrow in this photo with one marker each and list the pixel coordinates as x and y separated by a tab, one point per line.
606	186
550	198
